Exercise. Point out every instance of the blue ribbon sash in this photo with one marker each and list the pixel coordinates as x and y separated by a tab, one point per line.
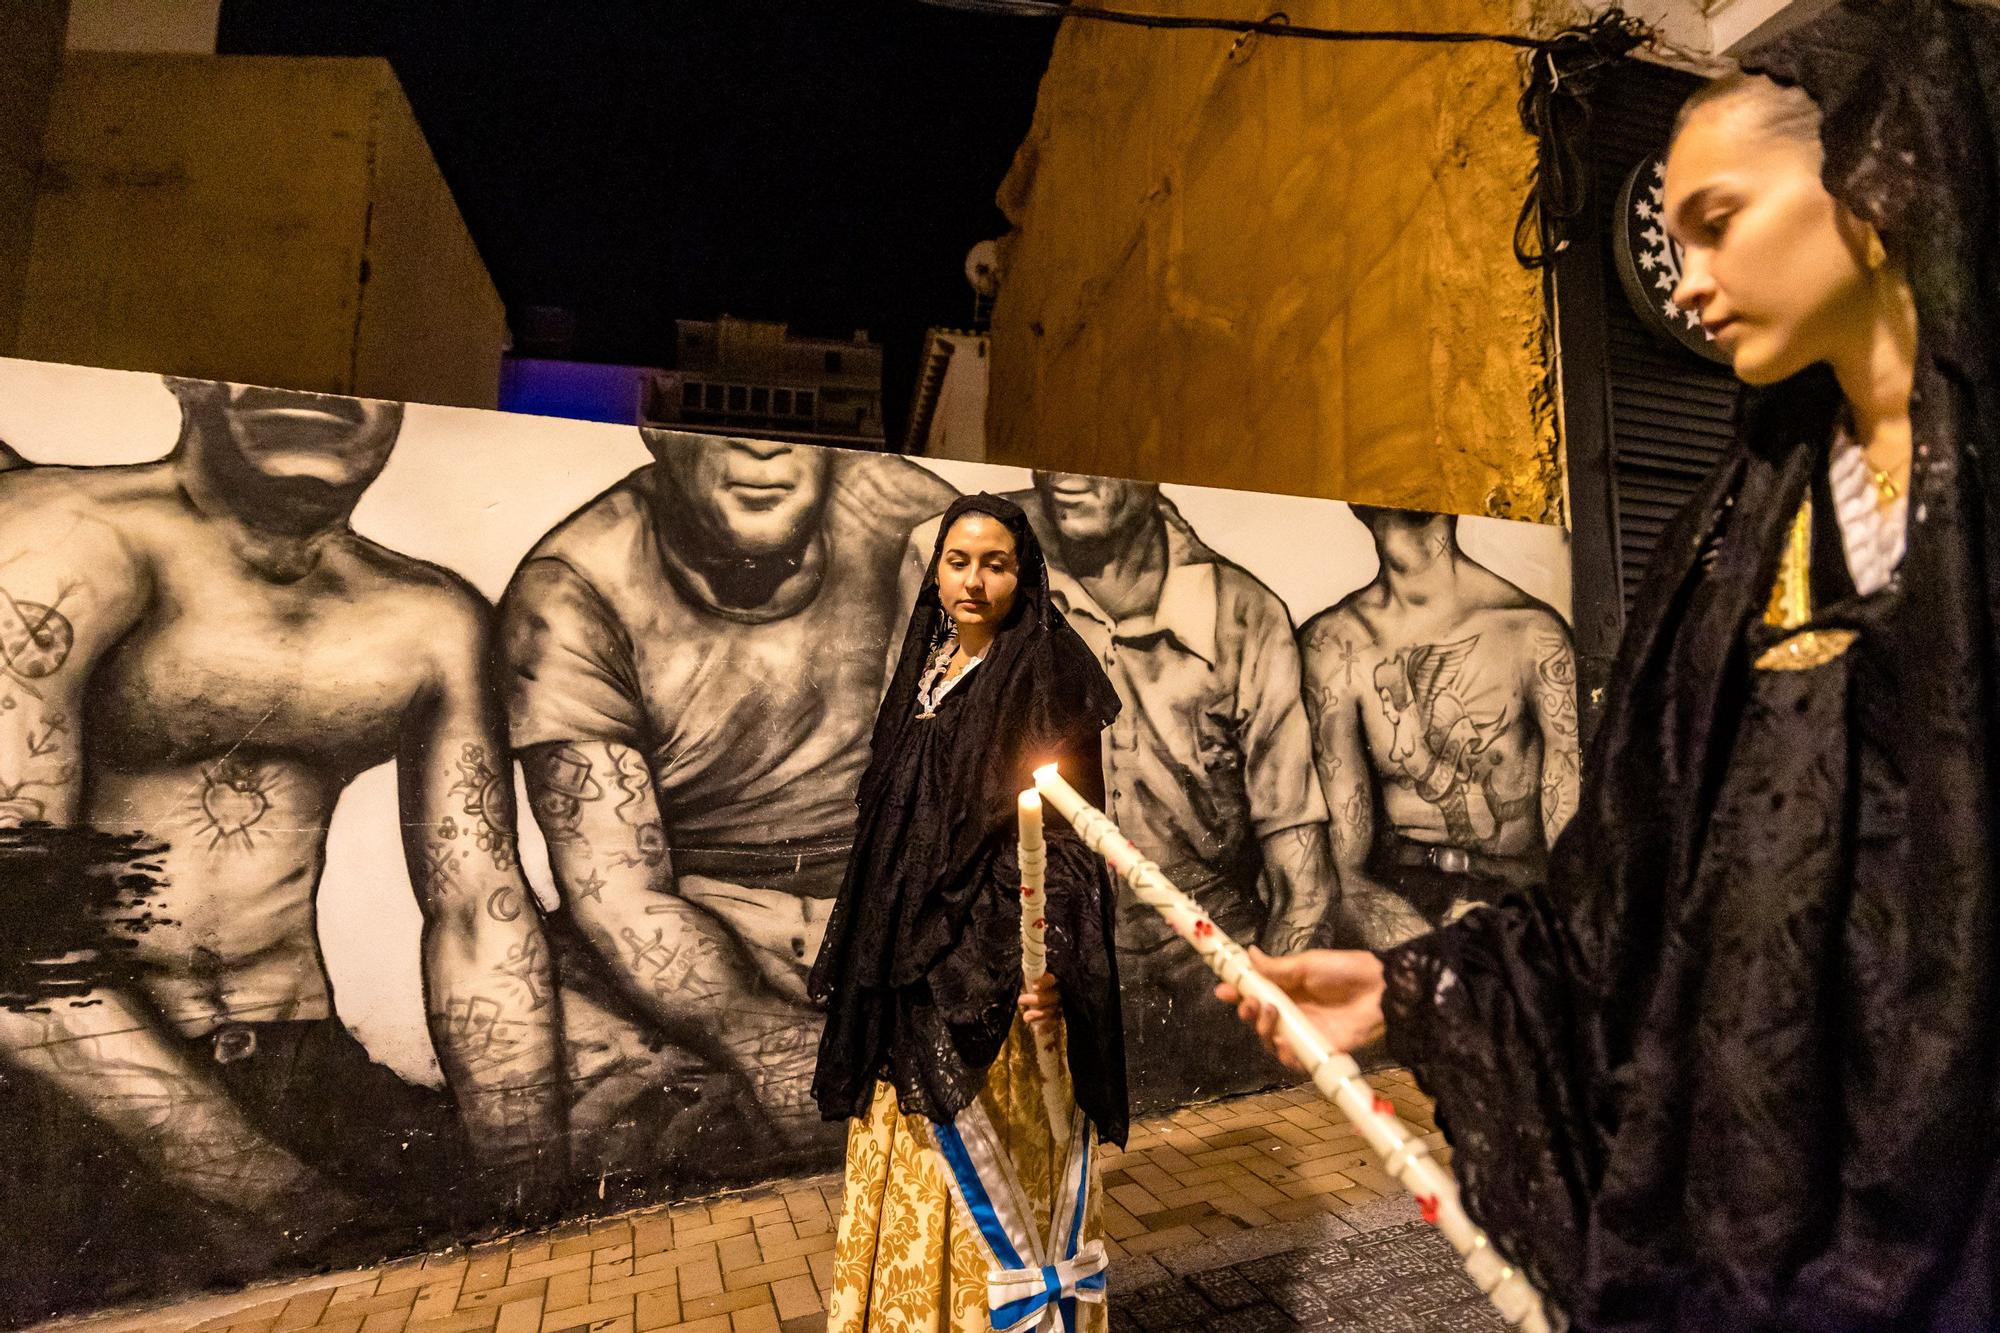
1034	1281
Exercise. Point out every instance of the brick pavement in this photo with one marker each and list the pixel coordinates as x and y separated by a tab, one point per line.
1262	1212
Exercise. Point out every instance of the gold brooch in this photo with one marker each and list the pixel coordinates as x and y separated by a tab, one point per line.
1791	607
1803	652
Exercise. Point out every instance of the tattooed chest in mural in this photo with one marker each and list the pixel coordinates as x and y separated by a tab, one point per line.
1448	725
189	692
225	725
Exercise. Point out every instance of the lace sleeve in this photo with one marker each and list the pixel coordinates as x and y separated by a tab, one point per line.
1486	1016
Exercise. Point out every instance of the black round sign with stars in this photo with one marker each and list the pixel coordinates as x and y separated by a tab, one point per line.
1649	260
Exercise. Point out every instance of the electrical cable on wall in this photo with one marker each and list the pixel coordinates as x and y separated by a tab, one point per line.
1555	108
1276	25
1562	70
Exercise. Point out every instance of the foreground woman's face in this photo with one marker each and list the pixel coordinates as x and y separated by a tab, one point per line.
1774	267
977	572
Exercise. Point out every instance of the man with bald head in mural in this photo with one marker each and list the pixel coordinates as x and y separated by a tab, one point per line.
1445	727
202	650
696	657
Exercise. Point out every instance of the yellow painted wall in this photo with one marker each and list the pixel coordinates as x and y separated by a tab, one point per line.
272	220
31	41
1278	265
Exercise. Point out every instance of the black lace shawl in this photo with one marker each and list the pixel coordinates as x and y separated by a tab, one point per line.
922	960
1735	1068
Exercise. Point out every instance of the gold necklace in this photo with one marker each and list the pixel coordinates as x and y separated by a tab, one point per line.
1887	488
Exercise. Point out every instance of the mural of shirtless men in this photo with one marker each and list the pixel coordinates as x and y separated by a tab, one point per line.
200	649
1444	715
695	661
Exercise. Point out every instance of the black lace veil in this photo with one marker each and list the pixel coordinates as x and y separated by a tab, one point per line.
1839	1171
922	956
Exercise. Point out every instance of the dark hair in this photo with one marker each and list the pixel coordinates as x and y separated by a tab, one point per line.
944	531
1782	109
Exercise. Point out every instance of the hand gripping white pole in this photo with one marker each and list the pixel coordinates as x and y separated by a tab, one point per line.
1334	1073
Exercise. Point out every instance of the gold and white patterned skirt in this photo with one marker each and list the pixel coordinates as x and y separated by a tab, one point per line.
910	1258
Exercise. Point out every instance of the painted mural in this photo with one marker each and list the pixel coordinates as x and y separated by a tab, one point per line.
416	821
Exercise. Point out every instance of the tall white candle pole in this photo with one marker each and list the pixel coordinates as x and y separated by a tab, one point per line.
1034	899
1035	954
1334	1073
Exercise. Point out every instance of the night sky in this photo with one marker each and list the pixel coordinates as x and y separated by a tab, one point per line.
824	162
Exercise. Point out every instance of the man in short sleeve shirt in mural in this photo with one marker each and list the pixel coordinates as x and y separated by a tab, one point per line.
1445	726
696	657
202	650
1208	767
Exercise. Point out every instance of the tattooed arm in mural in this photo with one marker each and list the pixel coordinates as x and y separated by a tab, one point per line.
1552	689
593	795
1297	880
1294	881
71	587
1374	915
686	971
488	987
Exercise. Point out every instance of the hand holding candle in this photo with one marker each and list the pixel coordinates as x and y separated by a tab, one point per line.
1038	999
1335	1074
1339	990
1034	856
1041	1001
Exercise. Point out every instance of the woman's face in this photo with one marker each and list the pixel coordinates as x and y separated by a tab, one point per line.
977	573
1773	265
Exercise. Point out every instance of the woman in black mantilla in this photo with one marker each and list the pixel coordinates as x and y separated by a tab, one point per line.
921	969
1736	1067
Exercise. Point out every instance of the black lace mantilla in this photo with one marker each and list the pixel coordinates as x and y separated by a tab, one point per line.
1736	1067
922	961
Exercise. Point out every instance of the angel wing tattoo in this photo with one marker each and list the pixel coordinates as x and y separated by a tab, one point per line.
1437	737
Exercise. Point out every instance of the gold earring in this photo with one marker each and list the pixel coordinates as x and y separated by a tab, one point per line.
1876	255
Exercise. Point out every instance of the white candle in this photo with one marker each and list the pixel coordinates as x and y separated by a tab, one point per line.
1034	899
1335	1074
1035	955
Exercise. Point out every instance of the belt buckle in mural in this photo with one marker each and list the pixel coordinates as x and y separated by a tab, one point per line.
1451	860
234	1042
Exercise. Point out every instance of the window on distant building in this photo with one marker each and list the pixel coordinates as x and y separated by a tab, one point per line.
711	397
760	400
739	398
781	402
690	394
804	400
833	362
